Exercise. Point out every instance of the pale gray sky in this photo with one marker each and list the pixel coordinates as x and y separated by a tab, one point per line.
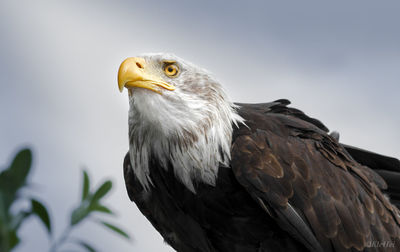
337	61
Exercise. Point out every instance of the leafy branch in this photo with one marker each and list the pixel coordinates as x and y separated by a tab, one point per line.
14	178
90	204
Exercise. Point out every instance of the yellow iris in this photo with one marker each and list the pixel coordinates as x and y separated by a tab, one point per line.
171	70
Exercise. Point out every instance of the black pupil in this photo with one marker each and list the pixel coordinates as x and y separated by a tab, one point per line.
170	69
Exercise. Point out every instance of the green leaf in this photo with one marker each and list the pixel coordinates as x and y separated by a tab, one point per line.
103	190
20	168
13	178
100	208
115	229
13	239
40	211
3	210
86	185
85	245
79	214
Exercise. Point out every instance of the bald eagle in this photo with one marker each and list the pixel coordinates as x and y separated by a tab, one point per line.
212	175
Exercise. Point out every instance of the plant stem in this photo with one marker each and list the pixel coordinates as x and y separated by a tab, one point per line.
61	240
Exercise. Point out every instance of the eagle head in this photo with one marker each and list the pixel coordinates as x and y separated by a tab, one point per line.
179	116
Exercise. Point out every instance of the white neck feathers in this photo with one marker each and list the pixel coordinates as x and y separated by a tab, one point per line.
194	140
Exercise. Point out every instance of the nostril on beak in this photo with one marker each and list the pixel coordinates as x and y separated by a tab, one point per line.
139	65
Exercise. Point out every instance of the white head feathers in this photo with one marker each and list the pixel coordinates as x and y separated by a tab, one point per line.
190	127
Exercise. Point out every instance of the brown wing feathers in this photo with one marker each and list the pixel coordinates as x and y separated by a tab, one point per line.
286	160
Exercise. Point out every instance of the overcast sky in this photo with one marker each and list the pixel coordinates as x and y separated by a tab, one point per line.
339	62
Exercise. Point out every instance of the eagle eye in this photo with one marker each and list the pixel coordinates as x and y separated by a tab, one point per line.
171	69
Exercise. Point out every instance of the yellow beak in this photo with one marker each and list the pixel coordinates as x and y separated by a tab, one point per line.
133	73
